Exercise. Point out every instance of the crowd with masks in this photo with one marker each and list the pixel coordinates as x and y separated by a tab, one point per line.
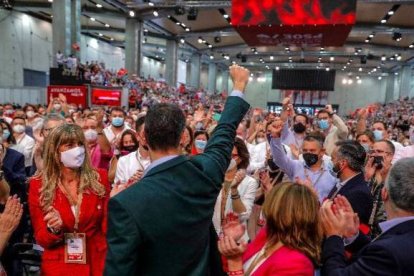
191	183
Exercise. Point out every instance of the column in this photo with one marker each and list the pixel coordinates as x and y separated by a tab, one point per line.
195	70
212	75
75	25
133	46
61	28
389	89
171	62
225	84
405	85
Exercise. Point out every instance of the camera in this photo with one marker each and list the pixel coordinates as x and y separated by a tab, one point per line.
378	162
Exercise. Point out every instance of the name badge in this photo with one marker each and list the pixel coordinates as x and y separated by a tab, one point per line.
75	248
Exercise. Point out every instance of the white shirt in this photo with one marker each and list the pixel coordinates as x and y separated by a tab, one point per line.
25	146
247	191
128	165
110	135
258	156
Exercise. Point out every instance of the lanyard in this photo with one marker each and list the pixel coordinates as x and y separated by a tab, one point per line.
319	177
72	202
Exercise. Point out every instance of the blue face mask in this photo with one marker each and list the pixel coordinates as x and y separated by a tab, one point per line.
216	117
366	147
6	134
323	124
200	144
378	135
117	121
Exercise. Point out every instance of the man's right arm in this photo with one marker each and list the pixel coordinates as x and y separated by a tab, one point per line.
280	158
123	239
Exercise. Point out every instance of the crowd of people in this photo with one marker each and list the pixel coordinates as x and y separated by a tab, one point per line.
196	184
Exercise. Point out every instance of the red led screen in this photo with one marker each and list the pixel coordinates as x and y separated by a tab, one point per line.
294	22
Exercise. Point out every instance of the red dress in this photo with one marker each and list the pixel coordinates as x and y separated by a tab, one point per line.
283	262
92	222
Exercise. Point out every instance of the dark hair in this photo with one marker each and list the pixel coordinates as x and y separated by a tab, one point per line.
353	153
11	140
117	108
18	118
324	111
303	115
367	133
29	105
381	122
243	153
164	124
315	137
201	132
125	133
390	145
140	122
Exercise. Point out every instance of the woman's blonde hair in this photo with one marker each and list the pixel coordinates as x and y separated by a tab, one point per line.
292	218
52	170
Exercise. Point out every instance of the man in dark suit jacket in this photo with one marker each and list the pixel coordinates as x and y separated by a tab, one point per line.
392	252
162	225
349	158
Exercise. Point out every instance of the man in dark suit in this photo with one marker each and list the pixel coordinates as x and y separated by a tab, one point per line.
349	158
163	224
392	252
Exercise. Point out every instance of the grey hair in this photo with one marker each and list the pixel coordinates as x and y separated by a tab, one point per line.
400	184
53	117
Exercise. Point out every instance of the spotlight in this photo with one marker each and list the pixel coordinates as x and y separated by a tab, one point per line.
331	58
411	46
92	18
371	36
359	81
155	13
131	13
150	4
101	35
379	78
350	81
210	46
200	40
192	14
97	5
383	21
328	69
182	41
253	49
383	58
217	39
397	36
272	58
226	16
107	25
391	12
277	68
211	57
187	29
396	73
344	81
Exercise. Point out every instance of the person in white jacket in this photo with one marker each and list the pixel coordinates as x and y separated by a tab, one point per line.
238	192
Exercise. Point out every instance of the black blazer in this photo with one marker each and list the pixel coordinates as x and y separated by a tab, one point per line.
162	225
357	192
392	253
14	172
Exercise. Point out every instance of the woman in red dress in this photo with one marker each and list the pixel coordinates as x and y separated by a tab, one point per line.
68	206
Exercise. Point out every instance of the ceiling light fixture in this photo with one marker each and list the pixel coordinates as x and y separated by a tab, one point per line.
97	5
131	13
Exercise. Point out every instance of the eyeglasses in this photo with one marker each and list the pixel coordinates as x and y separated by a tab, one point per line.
378	152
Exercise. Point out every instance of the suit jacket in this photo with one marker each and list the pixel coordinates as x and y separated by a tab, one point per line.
357	192
283	262
162	225
390	254
92	222
14	172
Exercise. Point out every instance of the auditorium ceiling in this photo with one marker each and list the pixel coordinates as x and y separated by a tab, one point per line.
212	34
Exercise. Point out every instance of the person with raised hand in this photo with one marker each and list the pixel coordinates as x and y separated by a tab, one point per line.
162	226
290	242
9	220
391	253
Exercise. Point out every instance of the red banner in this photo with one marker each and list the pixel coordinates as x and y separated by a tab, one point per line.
294	22
106	97
74	94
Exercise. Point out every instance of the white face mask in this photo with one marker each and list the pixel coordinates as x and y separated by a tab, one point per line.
57	106
261	140
19	129
91	135
73	158
30	114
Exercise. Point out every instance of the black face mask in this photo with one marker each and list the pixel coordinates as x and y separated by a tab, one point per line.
299	128
310	159
131	148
